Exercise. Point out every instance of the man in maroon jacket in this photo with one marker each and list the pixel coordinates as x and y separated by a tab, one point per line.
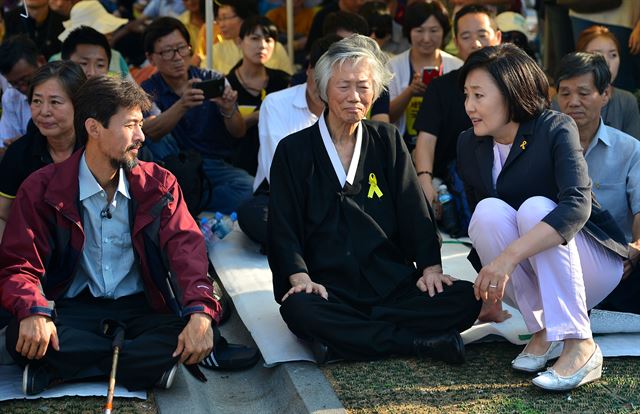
102	240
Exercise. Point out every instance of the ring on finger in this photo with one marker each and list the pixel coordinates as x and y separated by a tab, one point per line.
492	286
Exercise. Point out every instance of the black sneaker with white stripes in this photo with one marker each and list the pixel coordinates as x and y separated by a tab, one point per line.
230	357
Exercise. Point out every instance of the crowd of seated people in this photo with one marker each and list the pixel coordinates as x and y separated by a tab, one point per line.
334	160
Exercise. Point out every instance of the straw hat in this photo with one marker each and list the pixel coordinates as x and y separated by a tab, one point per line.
91	13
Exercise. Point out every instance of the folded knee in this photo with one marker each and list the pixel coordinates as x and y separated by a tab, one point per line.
532	211
488	214
297	305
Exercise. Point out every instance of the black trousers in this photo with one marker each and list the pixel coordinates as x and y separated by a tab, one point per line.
252	218
356	332
85	351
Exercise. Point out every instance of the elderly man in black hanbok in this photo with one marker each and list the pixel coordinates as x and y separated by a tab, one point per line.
347	221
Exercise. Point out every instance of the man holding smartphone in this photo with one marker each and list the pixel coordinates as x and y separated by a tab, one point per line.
191	105
442	116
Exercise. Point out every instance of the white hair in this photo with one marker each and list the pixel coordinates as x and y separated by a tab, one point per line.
354	49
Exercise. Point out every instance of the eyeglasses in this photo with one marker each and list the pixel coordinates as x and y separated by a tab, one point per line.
225	18
168	54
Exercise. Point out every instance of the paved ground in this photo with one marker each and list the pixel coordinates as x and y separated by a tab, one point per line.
288	388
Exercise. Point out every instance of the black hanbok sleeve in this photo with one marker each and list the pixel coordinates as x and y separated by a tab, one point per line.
285	224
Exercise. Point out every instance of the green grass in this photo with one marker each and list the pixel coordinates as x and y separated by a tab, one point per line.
485	384
79	405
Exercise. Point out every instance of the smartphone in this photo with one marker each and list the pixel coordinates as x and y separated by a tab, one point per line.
212	88
429	73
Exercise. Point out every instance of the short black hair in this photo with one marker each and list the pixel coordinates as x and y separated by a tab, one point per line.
15	48
473	9
580	63
101	97
69	74
378	18
350	22
418	13
519	78
84	35
242	8
250	25
161	27
320	46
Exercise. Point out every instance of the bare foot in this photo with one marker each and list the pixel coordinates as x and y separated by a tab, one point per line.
493	313
574	356
538	344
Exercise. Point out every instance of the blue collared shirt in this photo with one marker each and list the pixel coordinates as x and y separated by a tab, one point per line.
16	114
107	266
614	167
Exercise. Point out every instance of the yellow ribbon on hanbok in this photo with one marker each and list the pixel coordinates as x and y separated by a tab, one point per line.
373	186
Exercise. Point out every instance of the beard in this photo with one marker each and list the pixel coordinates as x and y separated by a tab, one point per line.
127	162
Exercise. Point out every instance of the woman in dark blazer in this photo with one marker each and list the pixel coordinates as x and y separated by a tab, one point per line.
542	247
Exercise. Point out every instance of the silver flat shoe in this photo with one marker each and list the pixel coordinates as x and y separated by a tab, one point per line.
591	371
534	363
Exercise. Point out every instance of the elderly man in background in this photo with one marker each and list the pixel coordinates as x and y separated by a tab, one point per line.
347	221
613	158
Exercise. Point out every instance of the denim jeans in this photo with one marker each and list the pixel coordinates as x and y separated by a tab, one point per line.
230	185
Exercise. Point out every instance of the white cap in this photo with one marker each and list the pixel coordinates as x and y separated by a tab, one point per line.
91	13
512	22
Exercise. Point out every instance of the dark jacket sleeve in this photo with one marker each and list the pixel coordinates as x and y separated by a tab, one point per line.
572	178
285	230
181	238
418	232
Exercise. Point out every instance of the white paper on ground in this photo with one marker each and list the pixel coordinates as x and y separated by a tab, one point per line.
11	388
246	276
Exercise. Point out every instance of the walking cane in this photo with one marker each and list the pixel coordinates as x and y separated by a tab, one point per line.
118	341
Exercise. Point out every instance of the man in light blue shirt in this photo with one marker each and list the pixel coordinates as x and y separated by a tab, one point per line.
107	265
100	241
19	59
613	158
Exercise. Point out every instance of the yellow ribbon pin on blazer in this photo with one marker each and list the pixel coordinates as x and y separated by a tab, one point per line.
373	186
523	145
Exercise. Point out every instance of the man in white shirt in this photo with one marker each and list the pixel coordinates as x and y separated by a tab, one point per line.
281	114
19	59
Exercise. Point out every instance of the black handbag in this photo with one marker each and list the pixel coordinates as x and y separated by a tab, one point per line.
196	187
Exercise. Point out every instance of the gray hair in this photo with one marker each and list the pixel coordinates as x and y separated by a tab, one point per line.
354	49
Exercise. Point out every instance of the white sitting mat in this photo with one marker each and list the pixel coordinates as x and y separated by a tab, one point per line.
246	276
11	388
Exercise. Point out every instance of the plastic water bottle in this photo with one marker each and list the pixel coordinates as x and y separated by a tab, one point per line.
205	228
224	225
449	218
234	220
